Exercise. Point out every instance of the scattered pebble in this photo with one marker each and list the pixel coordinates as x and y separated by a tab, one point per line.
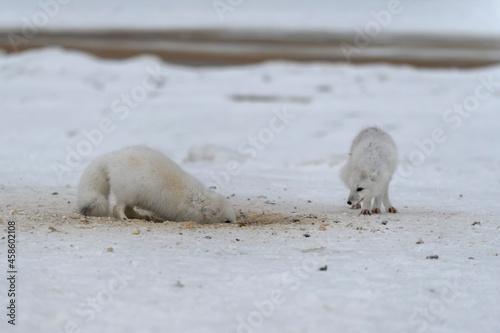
55	193
179	284
420	241
52	229
471	258
110	249
307	235
476	223
435	256
137	232
208	237
384	222
270	202
324	268
237	240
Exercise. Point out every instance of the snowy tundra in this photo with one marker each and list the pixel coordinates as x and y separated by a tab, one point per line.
144	178
368	172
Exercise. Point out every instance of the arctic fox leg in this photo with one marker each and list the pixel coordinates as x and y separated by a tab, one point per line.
356	206
387	202
377	202
367	205
119	211
132	214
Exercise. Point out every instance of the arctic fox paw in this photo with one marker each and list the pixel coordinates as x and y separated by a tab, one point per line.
376	211
365	212
356	206
392	210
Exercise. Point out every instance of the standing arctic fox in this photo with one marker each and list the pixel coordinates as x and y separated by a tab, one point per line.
367	173
144	178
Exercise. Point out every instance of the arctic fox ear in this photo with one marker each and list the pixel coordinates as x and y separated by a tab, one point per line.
207	211
374	176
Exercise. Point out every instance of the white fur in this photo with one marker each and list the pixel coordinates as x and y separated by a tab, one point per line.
372	161
144	178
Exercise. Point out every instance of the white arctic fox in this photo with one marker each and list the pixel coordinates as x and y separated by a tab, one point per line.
144	178
367	173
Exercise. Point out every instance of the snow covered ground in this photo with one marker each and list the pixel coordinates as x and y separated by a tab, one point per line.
272	137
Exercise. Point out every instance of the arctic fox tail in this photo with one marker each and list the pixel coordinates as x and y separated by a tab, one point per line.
93	190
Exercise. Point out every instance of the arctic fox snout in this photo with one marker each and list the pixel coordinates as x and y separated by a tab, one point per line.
368	171
144	178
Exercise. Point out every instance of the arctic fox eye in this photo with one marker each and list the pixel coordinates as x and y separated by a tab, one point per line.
359	189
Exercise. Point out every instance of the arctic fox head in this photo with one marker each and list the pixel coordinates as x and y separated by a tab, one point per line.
217	209
363	185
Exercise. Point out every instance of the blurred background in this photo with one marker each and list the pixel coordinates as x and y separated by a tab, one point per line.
449	33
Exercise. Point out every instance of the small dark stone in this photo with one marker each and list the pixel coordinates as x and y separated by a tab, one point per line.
55	193
324	268
208	237
384	222
435	256
307	235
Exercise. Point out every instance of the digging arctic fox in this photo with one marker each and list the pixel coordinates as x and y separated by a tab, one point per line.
144	178
368	172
